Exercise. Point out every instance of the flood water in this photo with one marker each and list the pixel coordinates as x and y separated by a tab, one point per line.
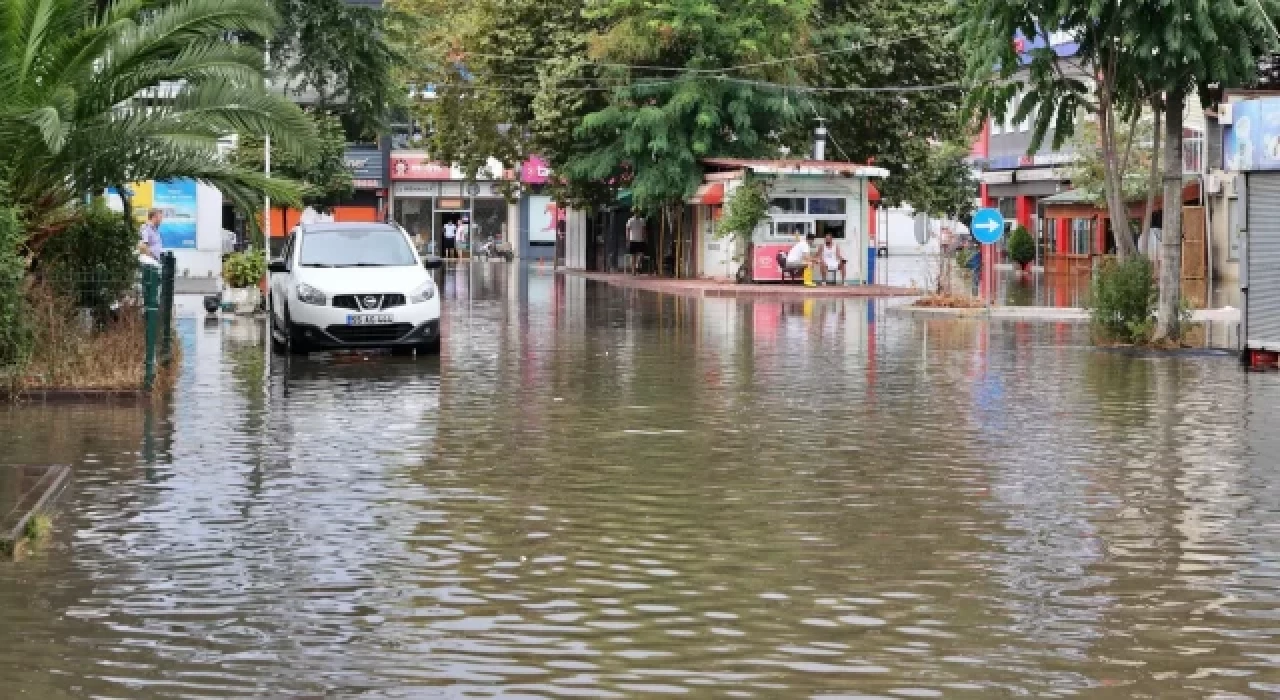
606	493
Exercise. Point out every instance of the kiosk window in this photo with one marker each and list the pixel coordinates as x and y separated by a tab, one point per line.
827	206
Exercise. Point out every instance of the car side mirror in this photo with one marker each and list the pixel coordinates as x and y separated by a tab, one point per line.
277	265
432	263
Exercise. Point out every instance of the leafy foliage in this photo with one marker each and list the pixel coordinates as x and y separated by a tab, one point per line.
94	261
133	90
1088	171
942	184
745	210
342	52
1122	301
1021	247
323	170
244	269
894	43
654	131
15	334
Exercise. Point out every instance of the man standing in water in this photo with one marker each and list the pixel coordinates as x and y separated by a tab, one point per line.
637	248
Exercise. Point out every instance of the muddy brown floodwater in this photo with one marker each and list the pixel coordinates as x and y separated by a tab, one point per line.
608	493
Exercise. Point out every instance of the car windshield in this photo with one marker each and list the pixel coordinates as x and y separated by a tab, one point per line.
355	248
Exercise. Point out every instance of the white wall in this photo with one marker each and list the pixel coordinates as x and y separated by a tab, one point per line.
206	259
901	232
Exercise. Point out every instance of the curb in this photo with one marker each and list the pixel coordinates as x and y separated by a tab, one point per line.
39	500
749	291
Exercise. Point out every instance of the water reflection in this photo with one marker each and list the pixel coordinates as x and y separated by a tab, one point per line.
611	493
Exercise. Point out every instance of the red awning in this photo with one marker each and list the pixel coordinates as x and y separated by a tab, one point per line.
710	194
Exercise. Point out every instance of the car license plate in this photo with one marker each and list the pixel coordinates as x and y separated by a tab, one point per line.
369	319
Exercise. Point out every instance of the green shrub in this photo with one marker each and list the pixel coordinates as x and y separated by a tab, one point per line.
748	206
95	259
246	269
1021	247
1122	301
15	331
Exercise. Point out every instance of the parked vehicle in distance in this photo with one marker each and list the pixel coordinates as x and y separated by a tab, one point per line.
352	285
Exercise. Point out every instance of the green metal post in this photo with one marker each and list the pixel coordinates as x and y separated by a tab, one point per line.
166	307
151	302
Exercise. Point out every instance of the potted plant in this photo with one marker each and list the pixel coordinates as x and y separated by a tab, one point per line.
241	272
1021	247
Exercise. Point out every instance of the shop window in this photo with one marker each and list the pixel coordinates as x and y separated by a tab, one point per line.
786	205
1082	234
790	229
415	216
489	220
827	206
832	227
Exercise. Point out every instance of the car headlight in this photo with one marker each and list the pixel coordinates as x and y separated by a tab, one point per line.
423	294
310	295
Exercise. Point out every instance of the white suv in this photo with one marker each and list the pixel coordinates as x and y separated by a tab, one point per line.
352	286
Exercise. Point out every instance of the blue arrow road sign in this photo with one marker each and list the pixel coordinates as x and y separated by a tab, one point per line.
988	225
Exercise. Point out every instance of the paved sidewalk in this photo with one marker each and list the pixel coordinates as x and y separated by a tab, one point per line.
716	288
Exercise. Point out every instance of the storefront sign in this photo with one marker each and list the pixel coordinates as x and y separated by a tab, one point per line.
1253	140
1041	175
451	204
544	216
535	171
416	166
366	165
1000	177
417	189
176	199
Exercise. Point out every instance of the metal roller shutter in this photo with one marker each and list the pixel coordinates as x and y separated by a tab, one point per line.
1262	305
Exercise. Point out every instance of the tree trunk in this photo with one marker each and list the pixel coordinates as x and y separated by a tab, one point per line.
1153	182
1167	320
1113	182
126	206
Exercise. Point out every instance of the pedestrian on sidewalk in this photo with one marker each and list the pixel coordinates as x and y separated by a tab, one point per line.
637	246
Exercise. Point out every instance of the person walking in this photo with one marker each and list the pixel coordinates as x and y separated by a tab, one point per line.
150	243
637	247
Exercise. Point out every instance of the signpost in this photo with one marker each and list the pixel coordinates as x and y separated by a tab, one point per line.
988	226
988	229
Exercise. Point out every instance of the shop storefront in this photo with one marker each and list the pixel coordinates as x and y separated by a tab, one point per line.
428	197
368	179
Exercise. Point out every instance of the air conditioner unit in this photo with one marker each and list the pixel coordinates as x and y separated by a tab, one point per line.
1226	111
1213	183
1220	182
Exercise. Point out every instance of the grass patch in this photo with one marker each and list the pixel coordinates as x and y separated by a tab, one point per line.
39	526
77	349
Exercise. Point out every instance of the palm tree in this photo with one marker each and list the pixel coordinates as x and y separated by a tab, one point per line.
100	93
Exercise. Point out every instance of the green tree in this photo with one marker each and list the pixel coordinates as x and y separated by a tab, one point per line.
136	91
872	44
660	123
322	171
343	52
942	185
1186	46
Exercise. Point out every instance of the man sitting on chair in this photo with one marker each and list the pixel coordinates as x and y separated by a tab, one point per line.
830	259
798	257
